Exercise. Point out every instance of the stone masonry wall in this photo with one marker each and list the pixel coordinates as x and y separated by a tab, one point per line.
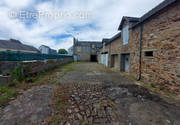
82	55
33	68
161	34
116	49
132	48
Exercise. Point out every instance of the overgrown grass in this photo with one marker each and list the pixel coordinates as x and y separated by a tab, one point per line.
64	70
10	91
6	94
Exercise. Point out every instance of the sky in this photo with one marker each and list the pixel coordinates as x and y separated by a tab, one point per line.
55	22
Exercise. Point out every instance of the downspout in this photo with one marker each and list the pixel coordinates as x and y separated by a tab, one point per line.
140	51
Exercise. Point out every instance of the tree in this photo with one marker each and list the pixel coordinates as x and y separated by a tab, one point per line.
62	51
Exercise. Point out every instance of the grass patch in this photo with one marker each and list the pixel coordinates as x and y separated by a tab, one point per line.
6	94
60	106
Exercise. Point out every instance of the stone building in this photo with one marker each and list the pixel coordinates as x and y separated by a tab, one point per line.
104	52
149	47
86	50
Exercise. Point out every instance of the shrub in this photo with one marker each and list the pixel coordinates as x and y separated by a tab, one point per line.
17	73
5	94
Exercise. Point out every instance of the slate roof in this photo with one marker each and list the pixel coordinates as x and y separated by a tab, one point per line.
45	46
98	44
16	45
155	10
105	40
113	38
129	19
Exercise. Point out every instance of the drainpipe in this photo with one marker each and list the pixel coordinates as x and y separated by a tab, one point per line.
140	50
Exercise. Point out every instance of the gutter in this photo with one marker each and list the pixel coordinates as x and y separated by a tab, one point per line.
140	51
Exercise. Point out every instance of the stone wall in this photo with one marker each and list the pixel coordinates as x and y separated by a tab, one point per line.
4	79
36	67
161	36
81	54
33	67
115	52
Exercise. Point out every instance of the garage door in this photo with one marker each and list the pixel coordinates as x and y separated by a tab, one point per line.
106	59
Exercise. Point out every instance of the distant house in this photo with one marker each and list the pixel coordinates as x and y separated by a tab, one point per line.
47	50
86	50
70	50
16	45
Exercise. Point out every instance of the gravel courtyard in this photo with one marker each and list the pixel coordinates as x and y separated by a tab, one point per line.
89	94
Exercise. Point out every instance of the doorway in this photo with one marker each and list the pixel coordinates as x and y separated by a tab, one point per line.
125	62
114	61
93	58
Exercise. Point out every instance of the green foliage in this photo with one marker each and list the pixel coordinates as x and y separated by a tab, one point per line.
153	86
30	80
6	93
26	70
62	51
17	73
61	106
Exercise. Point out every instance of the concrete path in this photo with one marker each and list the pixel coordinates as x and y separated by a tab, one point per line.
30	108
89	94
133	105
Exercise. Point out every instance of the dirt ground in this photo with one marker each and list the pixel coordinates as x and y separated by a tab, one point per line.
89	94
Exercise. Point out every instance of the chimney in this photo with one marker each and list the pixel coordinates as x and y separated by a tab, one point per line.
75	41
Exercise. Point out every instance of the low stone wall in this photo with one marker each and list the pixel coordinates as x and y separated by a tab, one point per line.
4	79
8	66
31	68
36	67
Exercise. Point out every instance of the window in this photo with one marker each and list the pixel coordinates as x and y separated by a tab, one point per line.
93	46
86	49
149	53
125	35
79	49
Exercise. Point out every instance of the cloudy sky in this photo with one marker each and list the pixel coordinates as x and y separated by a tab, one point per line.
56	22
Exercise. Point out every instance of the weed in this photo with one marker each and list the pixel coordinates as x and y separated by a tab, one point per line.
30	80
60	106
6	93
17	73
58	100
152	85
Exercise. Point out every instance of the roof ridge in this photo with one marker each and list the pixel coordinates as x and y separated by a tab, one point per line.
154	10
